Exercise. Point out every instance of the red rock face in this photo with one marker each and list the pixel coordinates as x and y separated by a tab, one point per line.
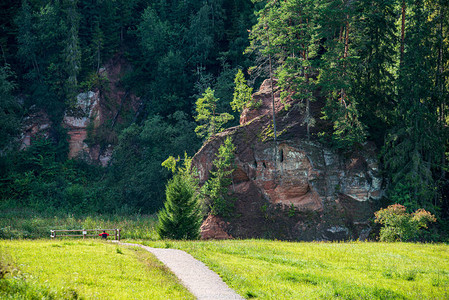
91	111
214	228
306	191
85	113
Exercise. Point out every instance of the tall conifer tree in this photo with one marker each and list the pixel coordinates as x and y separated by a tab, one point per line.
413	146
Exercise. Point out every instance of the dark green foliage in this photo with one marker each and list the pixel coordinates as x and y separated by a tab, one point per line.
338	68
414	145
216	189
40	178
181	217
374	74
135	177
9	109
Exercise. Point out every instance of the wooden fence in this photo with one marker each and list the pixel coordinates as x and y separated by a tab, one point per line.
84	233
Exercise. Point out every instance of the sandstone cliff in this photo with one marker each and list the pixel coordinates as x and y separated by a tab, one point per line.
309	192
90	121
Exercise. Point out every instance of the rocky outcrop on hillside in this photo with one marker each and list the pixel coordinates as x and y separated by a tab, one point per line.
307	192
91	119
214	228
35	124
77	120
90	122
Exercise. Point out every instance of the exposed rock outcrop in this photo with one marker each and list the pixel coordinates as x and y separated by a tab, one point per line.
91	119
85	113
214	228
94	109
36	124
309	192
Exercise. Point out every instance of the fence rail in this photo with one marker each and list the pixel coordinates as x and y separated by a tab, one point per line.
83	233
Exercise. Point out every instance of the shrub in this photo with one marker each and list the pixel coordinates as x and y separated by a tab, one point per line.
400	225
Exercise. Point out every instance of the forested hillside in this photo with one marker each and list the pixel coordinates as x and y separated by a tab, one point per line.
378	69
53	50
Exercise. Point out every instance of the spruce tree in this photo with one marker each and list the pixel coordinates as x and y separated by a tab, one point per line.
181	217
413	147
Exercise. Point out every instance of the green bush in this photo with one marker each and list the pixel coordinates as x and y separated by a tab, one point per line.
398	225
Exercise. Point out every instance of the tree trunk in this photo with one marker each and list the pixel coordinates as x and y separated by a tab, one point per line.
272	102
402	30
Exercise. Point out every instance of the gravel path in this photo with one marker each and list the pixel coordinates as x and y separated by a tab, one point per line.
196	276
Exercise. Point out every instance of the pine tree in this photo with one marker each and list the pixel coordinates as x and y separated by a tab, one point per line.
72	51
242	92
206	108
216	189
28	40
375	42
336	22
413	147
261	38
181	216
180	219
299	46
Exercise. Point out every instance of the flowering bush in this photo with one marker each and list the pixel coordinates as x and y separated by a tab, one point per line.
400	225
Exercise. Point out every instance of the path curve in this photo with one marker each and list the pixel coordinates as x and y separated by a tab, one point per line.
203	283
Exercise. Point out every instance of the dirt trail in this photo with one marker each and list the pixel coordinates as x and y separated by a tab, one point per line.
196	276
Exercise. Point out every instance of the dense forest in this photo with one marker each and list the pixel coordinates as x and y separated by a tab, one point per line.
379	68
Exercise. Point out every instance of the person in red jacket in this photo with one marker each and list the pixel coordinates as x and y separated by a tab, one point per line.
104	235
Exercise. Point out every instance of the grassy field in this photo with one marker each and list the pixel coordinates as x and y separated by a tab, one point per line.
283	270
88	269
254	268
19	224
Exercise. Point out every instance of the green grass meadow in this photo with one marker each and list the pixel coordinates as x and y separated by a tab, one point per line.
261	269
72	268
90	269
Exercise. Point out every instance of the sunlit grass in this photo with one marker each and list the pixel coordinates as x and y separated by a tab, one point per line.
286	270
87	269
